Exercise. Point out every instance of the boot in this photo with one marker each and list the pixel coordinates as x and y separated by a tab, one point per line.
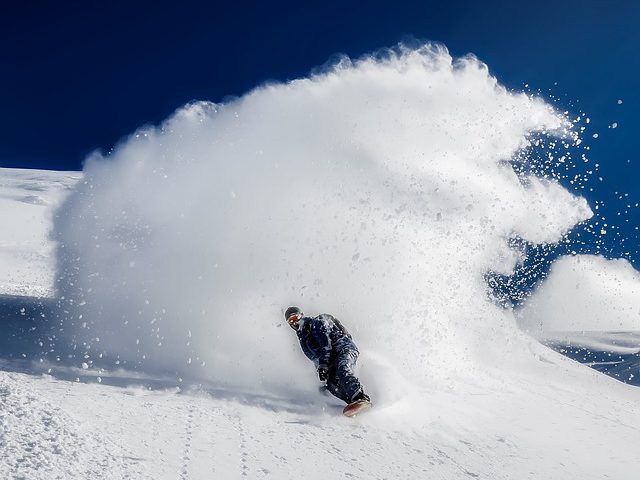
360	396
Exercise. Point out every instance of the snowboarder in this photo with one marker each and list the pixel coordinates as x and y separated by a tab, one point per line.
328	344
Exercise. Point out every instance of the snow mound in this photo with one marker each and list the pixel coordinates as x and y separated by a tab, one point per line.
585	293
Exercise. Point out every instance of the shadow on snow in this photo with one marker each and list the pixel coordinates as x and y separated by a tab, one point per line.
33	342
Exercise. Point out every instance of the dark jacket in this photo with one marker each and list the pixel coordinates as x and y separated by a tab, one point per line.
322	338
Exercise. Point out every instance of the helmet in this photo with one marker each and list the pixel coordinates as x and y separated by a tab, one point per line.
292	311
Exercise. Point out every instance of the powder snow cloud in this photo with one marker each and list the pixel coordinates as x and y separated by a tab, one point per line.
378	190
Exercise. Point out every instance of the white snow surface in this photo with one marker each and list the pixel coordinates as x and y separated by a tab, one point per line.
569	422
585	293
377	191
27	202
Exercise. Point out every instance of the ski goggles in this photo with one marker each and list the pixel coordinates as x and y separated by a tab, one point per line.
293	319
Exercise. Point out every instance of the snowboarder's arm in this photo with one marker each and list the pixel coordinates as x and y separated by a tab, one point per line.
308	353
321	335
340	327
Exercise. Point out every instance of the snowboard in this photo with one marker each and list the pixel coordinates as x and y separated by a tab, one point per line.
356	407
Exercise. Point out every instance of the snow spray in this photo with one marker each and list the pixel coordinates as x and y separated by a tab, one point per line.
379	190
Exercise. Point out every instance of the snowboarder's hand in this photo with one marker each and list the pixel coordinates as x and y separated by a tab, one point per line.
323	373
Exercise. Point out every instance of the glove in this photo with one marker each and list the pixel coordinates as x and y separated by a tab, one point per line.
323	373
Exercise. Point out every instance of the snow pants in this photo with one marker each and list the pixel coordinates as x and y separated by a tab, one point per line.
341	379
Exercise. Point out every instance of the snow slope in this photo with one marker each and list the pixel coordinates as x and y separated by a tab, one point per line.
585	293
584	427
27	202
377	190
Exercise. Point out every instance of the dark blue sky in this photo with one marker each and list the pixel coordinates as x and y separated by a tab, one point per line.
80	75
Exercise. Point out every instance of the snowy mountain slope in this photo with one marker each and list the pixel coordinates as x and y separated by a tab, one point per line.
27	202
60	429
552	419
